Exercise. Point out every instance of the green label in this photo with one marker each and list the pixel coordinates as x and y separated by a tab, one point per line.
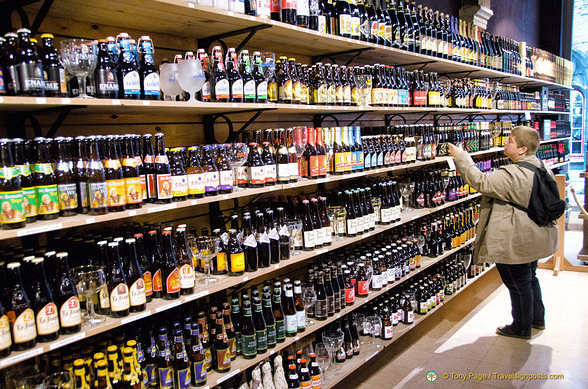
271	334
24	170
47	199
261	340
44	168
280	330
248	345
29	200
12	207
8	172
68	196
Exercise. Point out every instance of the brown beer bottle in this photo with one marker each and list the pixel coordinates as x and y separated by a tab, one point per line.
134	277
115	183
96	180
19	311
80	166
5	338
29	194
117	283
46	317
185	263
11	197
170	274
66	183
45	182
131	174
163	178
66	298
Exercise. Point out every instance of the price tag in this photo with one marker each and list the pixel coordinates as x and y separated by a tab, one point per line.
162	208
371	356
277	266
135	317
338	316
40	230
322	251
190	4
146	102
527	115
168	306
1	99
21	357
115	102
201	294
132	213
68	340
451	164
231	374
296	339
194	202
272	352
90	220
235	105
41	100
225	197
245	279
230	13
66	100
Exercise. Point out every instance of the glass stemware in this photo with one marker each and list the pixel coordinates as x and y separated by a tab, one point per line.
295	228
168	81
406	189
61	380
359	319
323	357
309	299
333	340
268	64
90	280
191	77
207	248
364	87
237	154
373	326
79	57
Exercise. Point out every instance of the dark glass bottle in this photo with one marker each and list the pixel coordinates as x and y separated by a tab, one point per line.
66	298
19	310
163	176
105	75
170	274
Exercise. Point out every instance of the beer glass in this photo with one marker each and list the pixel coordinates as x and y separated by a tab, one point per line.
168	80
323	357
191	77
61	380
295	228
237	154
364	87
90	280
373	326
79	57
359	318
309	299
268	64
333	340
207	248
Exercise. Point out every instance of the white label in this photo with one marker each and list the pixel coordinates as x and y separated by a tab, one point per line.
451	164
132	83
250	241
302	8
39	230
257	174
263	8
24	327
284	231
284	171
211	179
135	317
309	239
119	298
388	333
301	316
249	89
137	293
221	89
226	179
5	338
271	174
179	185
196	182
237	90
327	234
227	376
187	276
351	226
264	238
41	100
291	323
47	320
151	84
319	237
104	298
69	313
262	86
274	234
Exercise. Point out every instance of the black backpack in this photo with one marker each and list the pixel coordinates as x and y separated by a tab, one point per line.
545	206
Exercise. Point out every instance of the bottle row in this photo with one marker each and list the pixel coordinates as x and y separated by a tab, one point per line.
553	153
405	26
190	342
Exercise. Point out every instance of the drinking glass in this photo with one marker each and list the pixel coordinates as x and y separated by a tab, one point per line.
333	340
207	248
307	350
373	325
359	318
90	280
337	216
29	382
295	228
406	189
168	80
420	241
195	259
268	64
309	299
191	77
61	380
323	357
364	87
237	154
79	57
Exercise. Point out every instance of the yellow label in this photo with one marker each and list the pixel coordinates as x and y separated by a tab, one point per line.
237	262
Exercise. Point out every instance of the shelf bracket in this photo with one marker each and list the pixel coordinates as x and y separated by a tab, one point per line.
209	121
422	117
388	118
467	73
437	117
16	121
250	31
356	119
423	64
9	7
318	58
318	119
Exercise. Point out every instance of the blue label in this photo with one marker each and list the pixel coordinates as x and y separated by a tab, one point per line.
367	161
183	379
166	378
199	372
402	97
150	374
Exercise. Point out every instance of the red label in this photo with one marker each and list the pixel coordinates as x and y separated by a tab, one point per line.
363	288
148	283
173	281
323	165
151	186
275	6
289	4
314	166
164	186
302	167
157	284
419	98
349	295
421	200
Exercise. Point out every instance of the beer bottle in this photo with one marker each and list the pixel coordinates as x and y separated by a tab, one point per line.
170	275
292	155
263	242
293	380
185	263
154	260
300	313
273	235
96	179
268	316
296	83
249	244
66	298
130	379
29	66
5	338
211	174
260	81
195	174
163	176
144	266
181	365
220	87
179	179
80	173
128	75
229	330
290	311
279	312
309	234
284	235
149	76
115	183
289	13
46	316
134	277
11	195
273	89
164	361
149	171
284	81
198	370
54	73
107	86
256	168
20	314
282	159
260	326
131	175
235	254
221	347
66	185
29	195
249	83
118	289
45	182
10	73
225	171
235	80
248	333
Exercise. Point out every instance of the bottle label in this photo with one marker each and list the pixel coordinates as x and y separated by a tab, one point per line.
321	309
261	338
47	320
309	239
349	295
134	191
198	372
262	91
301	319
157	281
5	339
106	82
70	312
316	381
221	89
327	234
186	276
284	172
237	262
104	298
345	24
257	175
248	345
132	83
351	226
410	317
221	261
137	293
271	334
13	204
116	192
237	89
164	186
166	378
47	198
183	378
24	328
223	358
119	298
363	288
280	329
29	201
291	324
211	183
226	179
286	90
272	91
151	84
172	283
195	184
31	77
249	90
388	332
179	185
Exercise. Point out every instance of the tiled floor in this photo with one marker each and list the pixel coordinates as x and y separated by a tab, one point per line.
463	341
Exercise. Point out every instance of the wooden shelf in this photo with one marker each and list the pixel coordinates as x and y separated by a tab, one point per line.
558	165
349	367
122	106
223	282
185	19
554	140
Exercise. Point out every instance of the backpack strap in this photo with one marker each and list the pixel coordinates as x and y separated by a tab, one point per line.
534	169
